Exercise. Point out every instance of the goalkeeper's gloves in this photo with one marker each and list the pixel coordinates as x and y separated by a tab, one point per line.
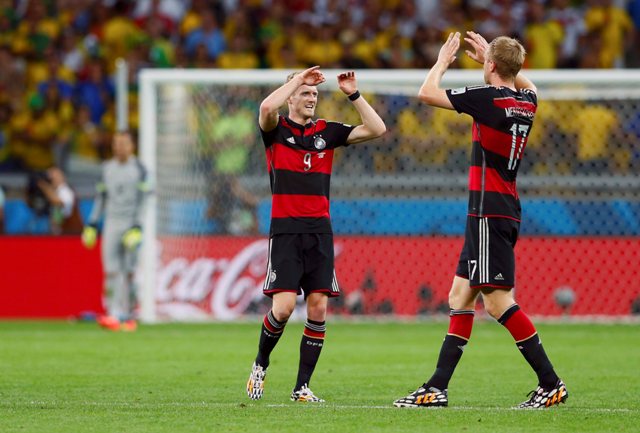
89	236
131	238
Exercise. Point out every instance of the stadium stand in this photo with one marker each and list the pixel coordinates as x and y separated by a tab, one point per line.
57	87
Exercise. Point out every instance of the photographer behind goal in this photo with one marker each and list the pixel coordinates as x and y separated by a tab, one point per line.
49	194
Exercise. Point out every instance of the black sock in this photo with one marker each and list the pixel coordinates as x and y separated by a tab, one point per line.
450	353
528	342
310	348
537	358
269	335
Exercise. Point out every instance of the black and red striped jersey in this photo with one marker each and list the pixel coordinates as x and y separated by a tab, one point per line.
502	122
299	161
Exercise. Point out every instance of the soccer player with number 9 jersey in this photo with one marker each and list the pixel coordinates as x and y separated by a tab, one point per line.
299	161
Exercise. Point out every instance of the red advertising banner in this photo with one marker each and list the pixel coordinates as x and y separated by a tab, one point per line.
49	277
401	275
221	277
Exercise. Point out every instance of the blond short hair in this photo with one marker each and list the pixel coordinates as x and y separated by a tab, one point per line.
291	75
508	55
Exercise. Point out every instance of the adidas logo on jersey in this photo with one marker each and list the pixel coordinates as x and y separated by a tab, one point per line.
499	277
291	140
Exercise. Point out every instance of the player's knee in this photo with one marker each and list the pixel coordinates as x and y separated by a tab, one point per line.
492	308
317	312
460	301
492	311
282	311
317	307
282	314
496	301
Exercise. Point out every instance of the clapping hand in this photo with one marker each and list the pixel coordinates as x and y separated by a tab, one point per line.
479	45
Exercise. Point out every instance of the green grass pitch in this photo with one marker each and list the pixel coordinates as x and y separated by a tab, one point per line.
73	377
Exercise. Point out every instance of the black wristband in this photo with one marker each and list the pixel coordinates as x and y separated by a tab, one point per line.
355	95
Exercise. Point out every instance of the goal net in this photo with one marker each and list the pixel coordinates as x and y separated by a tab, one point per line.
398	203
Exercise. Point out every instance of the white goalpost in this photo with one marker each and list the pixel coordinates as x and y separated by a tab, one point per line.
199	140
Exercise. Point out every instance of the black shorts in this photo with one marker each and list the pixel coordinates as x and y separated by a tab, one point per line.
487	258
301	262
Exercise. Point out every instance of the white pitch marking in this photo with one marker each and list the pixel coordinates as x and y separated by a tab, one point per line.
205	404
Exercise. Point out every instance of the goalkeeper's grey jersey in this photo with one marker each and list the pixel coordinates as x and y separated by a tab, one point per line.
122	191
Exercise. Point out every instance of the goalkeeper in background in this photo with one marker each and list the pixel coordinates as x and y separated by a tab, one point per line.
120	198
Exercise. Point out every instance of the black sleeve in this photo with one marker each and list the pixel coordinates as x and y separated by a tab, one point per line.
339	134
268	137
530	95
476	101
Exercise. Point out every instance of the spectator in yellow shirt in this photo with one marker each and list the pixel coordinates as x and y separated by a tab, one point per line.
615	28
595	126
416	145
118	32
323	50
33	132
542	39
89	142
36	31
61	110
240	54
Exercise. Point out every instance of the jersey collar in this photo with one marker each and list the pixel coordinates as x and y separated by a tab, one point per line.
309	125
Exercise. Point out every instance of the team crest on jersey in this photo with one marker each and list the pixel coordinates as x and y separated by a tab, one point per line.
272	276
319	143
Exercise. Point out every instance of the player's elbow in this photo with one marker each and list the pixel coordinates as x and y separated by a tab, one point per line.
378	130
427	95
268	118
267	109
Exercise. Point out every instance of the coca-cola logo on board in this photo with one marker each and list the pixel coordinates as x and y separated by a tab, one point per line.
207	288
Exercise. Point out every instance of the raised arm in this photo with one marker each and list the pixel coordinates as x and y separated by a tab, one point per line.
523	82
372	124
430	92
268	118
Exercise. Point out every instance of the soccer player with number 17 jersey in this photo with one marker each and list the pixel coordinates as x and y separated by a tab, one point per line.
503	113
299	160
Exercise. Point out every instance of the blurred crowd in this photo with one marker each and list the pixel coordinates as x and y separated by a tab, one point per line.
58	56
